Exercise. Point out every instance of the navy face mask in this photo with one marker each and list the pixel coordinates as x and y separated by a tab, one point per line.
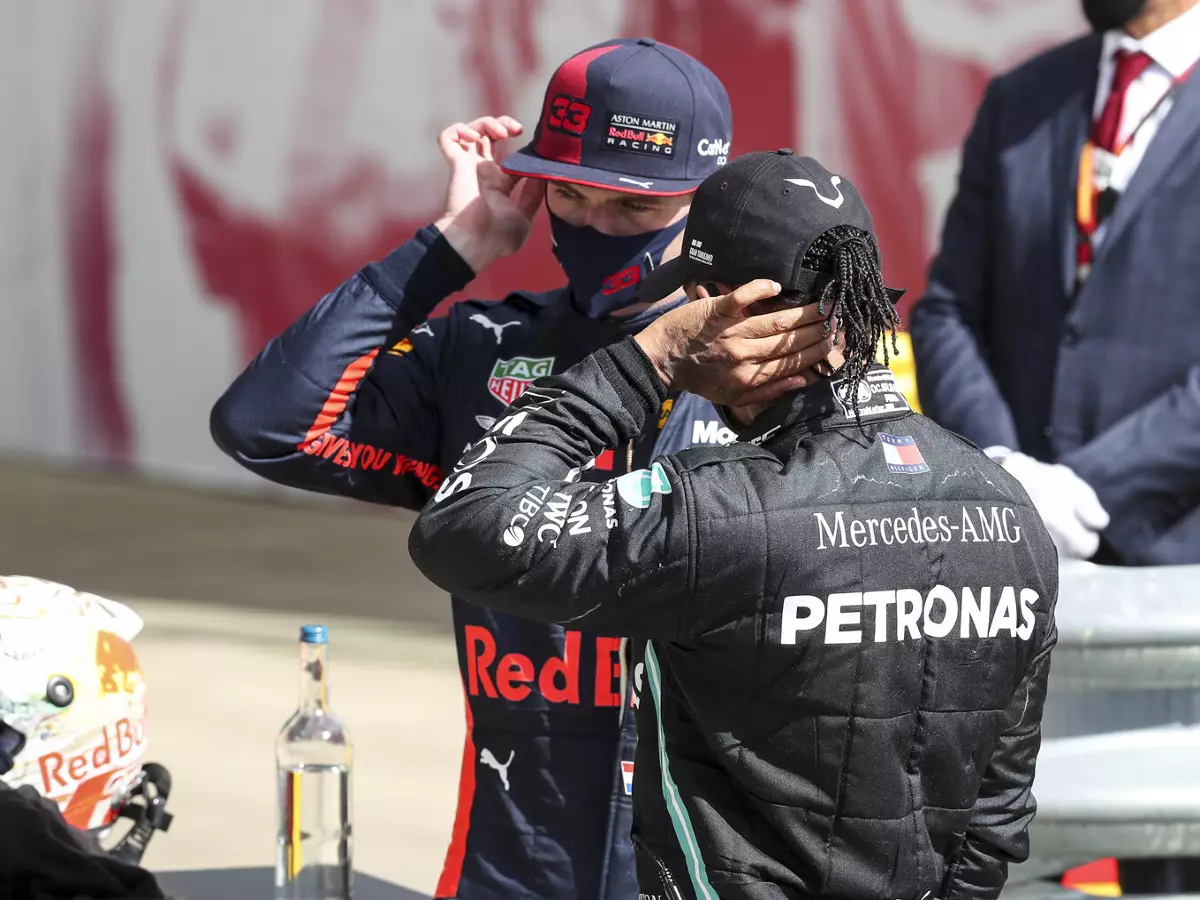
604	271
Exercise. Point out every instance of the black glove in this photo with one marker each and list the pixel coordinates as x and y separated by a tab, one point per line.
42	857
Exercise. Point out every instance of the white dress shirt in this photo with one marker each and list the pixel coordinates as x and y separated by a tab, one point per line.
1174	49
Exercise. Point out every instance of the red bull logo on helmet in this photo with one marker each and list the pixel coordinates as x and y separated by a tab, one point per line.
83	783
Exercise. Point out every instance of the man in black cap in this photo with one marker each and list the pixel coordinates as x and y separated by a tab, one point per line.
843	620
364	397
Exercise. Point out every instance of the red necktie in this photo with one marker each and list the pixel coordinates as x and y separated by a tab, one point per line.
1129	66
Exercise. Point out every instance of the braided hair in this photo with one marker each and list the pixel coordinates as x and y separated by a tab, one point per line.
855	292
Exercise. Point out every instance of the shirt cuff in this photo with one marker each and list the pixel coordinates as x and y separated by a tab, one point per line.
634	378
420	273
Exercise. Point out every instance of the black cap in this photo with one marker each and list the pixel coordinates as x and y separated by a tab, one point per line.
756	217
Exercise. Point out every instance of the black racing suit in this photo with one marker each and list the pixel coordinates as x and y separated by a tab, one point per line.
362	397
844	632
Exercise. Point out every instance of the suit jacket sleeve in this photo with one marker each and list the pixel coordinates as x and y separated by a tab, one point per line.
512	528
998	831
1146	469
948	324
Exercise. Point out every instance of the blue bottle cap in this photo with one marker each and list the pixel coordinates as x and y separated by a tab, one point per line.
314	634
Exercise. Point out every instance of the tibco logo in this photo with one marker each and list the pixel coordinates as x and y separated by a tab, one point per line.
555	516
528	507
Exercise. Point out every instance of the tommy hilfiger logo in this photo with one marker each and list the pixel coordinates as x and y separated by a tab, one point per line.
902	455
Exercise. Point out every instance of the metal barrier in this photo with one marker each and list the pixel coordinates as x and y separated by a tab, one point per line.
1119	770
1128	652
1125	794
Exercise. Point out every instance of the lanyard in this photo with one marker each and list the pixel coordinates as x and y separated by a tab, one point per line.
1095	196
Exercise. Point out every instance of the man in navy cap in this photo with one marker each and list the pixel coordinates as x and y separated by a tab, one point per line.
364	397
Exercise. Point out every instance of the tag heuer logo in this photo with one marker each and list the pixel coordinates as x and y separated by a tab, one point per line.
510	377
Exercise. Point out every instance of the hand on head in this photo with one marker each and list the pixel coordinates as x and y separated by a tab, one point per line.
618	181
488	213
738	348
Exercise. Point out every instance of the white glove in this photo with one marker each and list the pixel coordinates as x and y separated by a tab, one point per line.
1067	504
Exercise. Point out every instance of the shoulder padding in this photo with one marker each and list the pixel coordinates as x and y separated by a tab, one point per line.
524	303
697	457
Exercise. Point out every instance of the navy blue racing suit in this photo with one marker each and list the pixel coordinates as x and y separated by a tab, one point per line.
364	396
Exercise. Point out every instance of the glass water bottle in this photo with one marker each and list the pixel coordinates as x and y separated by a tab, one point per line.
313	756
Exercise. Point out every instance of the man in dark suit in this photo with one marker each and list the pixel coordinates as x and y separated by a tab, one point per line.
1061	327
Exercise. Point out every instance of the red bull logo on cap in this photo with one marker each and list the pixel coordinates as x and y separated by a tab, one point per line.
641	134
84	782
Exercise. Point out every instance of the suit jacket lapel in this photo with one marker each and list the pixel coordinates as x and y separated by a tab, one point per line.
1178	130
1070	131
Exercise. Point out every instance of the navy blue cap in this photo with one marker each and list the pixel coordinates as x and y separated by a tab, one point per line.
630	115
314	634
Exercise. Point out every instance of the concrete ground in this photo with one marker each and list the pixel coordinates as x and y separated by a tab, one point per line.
232	580
223	681
120	535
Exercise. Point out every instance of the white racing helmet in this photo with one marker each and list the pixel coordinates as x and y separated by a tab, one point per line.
73	711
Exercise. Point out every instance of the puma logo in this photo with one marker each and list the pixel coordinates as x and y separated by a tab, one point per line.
489	759
481	319
423	328
835	202
641	184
